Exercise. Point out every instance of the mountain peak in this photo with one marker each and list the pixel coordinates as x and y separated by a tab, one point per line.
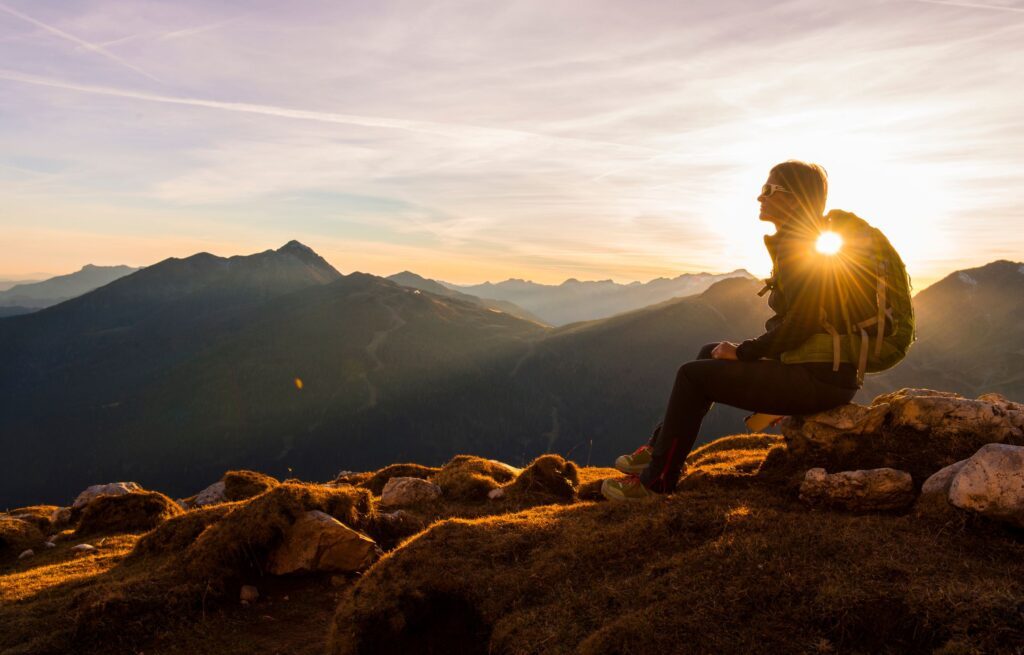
297	247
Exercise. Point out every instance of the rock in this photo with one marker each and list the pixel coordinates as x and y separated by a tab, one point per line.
25	554
319	542
49	544
495	494
991	483
915	430
948	415
112	489
939	482
83	548
858	491
61	517
248	594
211	495
403	492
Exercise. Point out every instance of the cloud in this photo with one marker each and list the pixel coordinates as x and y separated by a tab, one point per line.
92	47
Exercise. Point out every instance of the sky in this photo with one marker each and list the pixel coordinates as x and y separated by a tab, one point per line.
473	141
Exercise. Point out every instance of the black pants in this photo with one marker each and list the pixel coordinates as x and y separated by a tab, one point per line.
766	385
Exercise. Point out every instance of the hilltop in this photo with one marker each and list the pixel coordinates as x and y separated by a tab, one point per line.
757	551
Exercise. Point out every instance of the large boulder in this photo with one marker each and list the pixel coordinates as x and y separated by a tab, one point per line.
991	483
915	430
858	491
405	492
110	489
320	542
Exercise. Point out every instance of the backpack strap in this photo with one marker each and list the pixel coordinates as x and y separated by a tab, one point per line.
831	329
880	275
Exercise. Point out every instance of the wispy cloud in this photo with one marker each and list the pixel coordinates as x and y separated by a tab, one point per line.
973	5
92	47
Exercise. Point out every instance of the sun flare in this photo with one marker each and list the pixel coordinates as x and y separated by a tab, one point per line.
828	243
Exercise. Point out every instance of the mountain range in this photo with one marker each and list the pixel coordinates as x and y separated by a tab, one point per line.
574	300
277	361
25	297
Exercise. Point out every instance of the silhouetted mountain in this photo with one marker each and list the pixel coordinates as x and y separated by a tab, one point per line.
414	281
14	310
581	301
36	295
970	328
171	372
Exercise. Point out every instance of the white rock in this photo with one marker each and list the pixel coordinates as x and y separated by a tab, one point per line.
83	548
25	554
211	495
864	490
49	544
248	593
111	489
991	482
495	494
401	492
938	482
320	542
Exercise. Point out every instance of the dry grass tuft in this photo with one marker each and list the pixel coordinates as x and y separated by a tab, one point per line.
40	516
235	545
752	570
375	481
17	535
134	512
178	533
467	477
548	476
239	485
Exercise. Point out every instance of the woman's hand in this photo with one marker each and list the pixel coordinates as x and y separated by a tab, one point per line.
724	350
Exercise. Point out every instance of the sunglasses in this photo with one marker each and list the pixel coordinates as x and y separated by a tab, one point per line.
768	190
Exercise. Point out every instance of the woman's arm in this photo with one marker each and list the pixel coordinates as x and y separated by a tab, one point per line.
802	283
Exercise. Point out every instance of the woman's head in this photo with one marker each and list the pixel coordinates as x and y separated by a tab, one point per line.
795	190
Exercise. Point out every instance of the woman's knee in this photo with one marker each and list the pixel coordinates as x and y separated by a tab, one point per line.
705	351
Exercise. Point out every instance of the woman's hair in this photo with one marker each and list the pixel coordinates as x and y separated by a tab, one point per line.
808	182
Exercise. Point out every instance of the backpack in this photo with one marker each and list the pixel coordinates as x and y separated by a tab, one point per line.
875	326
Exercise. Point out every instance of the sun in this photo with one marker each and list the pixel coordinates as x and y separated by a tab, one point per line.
828	243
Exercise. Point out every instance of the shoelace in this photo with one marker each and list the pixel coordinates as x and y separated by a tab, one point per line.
641	449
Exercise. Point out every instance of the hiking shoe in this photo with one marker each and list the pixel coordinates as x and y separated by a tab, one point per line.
636	462
628	489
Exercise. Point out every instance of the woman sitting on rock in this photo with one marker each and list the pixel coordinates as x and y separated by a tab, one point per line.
801	364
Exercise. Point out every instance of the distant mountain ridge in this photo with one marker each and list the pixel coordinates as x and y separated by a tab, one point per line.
574	300
36	295
412	280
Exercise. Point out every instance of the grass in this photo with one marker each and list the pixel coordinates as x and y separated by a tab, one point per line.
730	563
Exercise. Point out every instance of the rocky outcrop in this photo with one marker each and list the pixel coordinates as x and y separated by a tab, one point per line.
405	492
319	542
210	496
915	430
110	489
858	491
991	483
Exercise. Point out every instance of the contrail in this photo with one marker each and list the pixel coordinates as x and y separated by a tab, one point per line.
450	130
971	5
74	39
174	34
